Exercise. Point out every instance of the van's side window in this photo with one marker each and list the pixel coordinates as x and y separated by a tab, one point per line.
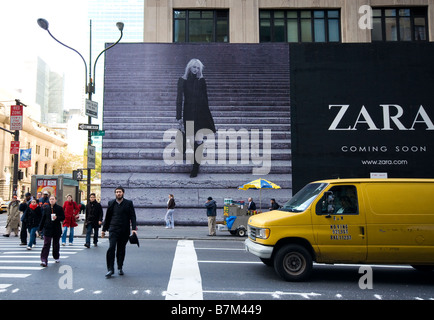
339	200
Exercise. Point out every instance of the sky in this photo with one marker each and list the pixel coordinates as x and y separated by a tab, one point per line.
22	38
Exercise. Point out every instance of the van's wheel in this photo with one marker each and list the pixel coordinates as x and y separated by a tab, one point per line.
293	263
241	232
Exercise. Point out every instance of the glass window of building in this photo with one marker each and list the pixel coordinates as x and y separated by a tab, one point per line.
200	26
299	25
400	24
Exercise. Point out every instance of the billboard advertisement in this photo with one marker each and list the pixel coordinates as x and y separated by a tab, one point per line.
362	110
200	120
195	121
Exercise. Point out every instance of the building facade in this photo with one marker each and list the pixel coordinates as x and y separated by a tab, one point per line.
255	21
312	76
46	145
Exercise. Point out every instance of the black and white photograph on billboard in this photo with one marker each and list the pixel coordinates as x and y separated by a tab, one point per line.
196	121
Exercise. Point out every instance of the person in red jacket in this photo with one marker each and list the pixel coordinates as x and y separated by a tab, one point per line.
71	210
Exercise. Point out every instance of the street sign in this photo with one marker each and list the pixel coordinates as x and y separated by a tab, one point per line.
89	127
91	155
100	133
15	147
91	108
16	122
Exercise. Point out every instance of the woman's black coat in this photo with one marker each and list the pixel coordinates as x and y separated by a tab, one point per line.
33	217
52	228
193	92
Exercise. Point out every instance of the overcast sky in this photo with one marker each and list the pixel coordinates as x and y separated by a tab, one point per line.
22	38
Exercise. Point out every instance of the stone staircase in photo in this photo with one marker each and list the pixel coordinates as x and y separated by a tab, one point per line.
248	92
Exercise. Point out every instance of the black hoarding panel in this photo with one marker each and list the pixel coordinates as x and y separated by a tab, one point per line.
358	109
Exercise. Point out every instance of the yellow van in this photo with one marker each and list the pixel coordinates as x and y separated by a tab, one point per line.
355	221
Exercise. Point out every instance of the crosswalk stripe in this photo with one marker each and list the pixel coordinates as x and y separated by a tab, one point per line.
25	257
19	268
22	261
185	282
14	275
18	259
34	252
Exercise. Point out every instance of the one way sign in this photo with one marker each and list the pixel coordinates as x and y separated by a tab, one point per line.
89	127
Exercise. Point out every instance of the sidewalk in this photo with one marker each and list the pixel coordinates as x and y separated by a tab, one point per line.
178	233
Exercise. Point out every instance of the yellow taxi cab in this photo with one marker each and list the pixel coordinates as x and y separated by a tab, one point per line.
354	221
3	206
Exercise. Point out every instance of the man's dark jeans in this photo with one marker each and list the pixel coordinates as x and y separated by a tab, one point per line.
117	243
89	228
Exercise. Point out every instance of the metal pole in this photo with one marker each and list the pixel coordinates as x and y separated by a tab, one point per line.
89	86
16	158
89	119
16	162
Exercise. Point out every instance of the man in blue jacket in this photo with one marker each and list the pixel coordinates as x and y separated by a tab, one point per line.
211	212
119	216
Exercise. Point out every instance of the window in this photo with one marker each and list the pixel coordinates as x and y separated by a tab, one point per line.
200	26
299	26
339	200
302	199
400	24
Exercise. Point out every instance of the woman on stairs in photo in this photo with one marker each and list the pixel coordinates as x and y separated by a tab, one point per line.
192	105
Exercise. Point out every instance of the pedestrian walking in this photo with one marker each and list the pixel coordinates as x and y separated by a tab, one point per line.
119	216
33	216
51	225
44	201
13	221
71	210
93	220
23	207
170	221
211	212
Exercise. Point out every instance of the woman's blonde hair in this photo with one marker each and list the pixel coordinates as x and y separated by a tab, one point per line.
190	64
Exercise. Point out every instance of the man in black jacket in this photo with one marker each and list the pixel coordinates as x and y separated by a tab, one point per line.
93	220
120	214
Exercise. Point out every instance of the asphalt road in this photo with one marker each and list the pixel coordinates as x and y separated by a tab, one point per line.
205	268
224	272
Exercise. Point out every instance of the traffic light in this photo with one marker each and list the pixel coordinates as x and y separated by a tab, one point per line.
77	174
20	175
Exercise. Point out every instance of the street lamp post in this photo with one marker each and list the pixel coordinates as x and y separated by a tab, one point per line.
89	84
